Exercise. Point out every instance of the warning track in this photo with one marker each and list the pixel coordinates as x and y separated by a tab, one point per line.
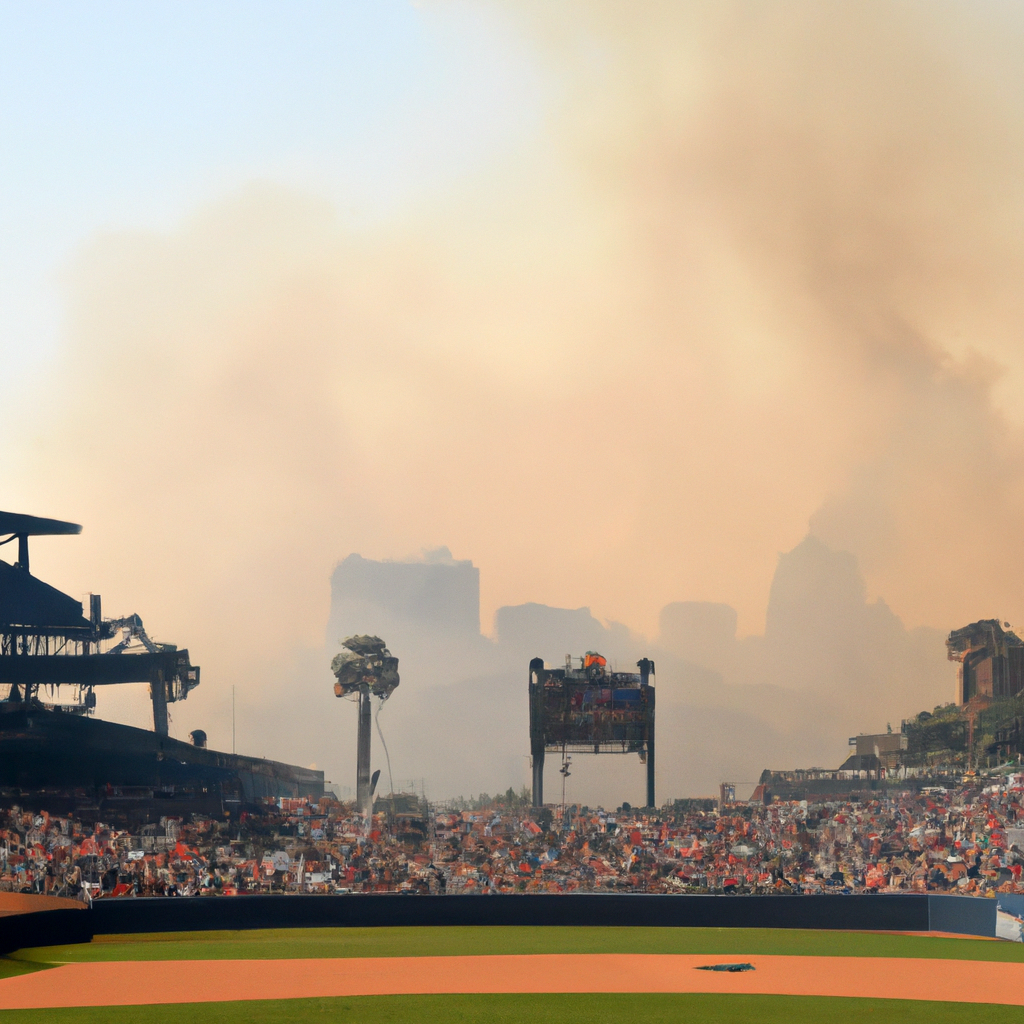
190	981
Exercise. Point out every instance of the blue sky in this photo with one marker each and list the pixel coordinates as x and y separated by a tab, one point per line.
119	116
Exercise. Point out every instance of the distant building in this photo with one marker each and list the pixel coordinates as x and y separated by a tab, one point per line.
698	631
552	633
991	660
874	751
437	592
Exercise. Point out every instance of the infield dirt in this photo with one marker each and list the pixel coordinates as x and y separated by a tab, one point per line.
154	981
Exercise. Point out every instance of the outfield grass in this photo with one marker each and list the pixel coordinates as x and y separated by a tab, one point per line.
297	943
11	967
532	1009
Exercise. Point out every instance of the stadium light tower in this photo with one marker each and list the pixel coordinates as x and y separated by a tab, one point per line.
366	667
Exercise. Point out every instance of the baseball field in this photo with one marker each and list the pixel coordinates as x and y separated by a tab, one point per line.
513	974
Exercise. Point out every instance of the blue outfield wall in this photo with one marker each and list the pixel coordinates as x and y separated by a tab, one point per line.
963	915
906	913
45	928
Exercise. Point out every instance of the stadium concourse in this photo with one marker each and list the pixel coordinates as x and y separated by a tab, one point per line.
967	839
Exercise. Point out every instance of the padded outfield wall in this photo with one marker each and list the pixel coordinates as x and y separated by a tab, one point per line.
904	913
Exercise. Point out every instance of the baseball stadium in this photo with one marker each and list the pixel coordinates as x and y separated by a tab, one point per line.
144	879
507	973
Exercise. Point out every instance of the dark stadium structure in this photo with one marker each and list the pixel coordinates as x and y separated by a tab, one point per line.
590	710
49	648
991	660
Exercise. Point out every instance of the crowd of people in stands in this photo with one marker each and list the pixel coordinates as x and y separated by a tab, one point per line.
967	839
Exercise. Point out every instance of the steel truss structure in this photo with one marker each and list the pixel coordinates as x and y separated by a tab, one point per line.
591	710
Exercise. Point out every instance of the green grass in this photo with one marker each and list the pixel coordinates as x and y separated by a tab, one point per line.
531	1009
283	943
11	967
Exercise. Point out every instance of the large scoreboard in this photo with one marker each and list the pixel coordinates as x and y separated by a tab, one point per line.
590	709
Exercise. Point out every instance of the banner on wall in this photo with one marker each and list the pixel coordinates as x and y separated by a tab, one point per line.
1010	916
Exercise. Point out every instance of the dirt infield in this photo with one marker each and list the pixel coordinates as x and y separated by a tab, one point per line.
188	981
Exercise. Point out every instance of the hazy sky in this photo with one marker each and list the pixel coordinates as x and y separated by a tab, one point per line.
616	299
126	116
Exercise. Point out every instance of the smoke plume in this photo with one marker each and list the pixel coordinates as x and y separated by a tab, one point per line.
759	275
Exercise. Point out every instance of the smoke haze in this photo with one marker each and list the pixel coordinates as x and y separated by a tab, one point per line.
758	275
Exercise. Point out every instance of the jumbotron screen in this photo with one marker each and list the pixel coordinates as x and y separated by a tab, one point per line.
609	714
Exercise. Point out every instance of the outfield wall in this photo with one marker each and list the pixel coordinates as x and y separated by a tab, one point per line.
45	928
963	915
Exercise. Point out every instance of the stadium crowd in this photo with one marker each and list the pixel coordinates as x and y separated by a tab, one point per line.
967	839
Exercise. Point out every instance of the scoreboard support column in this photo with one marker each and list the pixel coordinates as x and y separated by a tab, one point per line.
650	772
646	667
538	779
537	736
